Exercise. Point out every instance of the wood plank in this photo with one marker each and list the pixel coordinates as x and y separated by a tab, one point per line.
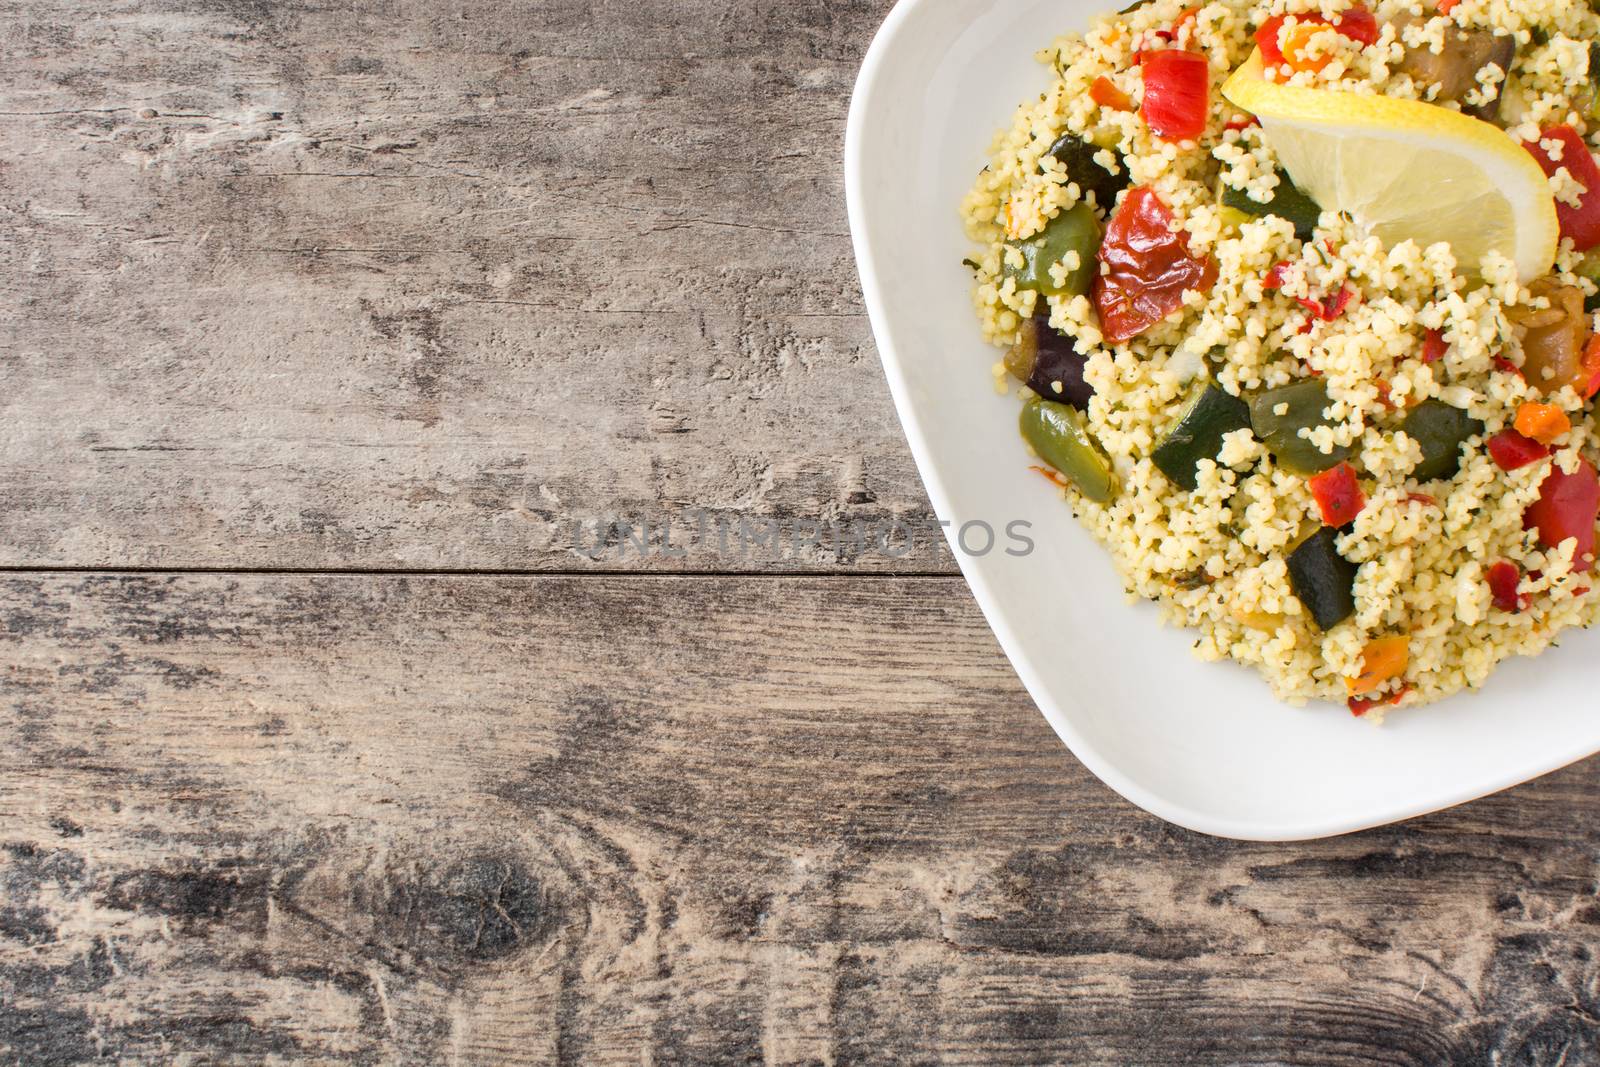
658	820
380	285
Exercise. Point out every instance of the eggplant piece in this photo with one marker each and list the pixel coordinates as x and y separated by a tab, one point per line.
1288	202
1060	437
1307	403
1553	338
1455	70
1044	358
1077	155
1441	430
1323	580
1198	434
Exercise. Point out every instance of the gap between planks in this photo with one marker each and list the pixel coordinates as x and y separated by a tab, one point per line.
402	572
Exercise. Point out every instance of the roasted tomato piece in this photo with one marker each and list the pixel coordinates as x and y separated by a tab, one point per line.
1145	268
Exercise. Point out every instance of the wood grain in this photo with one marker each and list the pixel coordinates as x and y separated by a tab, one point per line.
692	820
403	285
433	285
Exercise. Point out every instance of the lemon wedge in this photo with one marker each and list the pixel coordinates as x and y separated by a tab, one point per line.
1408	170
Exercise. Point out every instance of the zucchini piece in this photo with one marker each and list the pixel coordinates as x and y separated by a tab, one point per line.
1198	434
1441	430
1287	202
1077	155
1074	230
1058	434
1307	403
1323	580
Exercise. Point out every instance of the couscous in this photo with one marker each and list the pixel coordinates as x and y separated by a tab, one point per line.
1300	300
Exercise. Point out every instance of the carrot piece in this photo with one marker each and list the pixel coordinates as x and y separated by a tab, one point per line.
1105	93
1544	423
1297	47
1382	659
1446	6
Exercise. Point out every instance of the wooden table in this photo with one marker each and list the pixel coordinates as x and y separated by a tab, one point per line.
334	733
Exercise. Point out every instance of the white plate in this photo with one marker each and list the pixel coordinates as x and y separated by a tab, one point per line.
1201	745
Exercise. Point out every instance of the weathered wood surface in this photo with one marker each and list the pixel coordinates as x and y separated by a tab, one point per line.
406	285
415	284
692	820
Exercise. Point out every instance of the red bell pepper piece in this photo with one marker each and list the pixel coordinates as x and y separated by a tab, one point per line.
1434	347
1170	34
1326	311
1358	24
1359	706
1568	507
1145	267
1581	223
1511	451
1338	495
1591	367
1341	300
1267	37
1504	577
1186	16
1177	93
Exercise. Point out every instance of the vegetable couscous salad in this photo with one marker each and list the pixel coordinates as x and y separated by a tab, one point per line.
1300	300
